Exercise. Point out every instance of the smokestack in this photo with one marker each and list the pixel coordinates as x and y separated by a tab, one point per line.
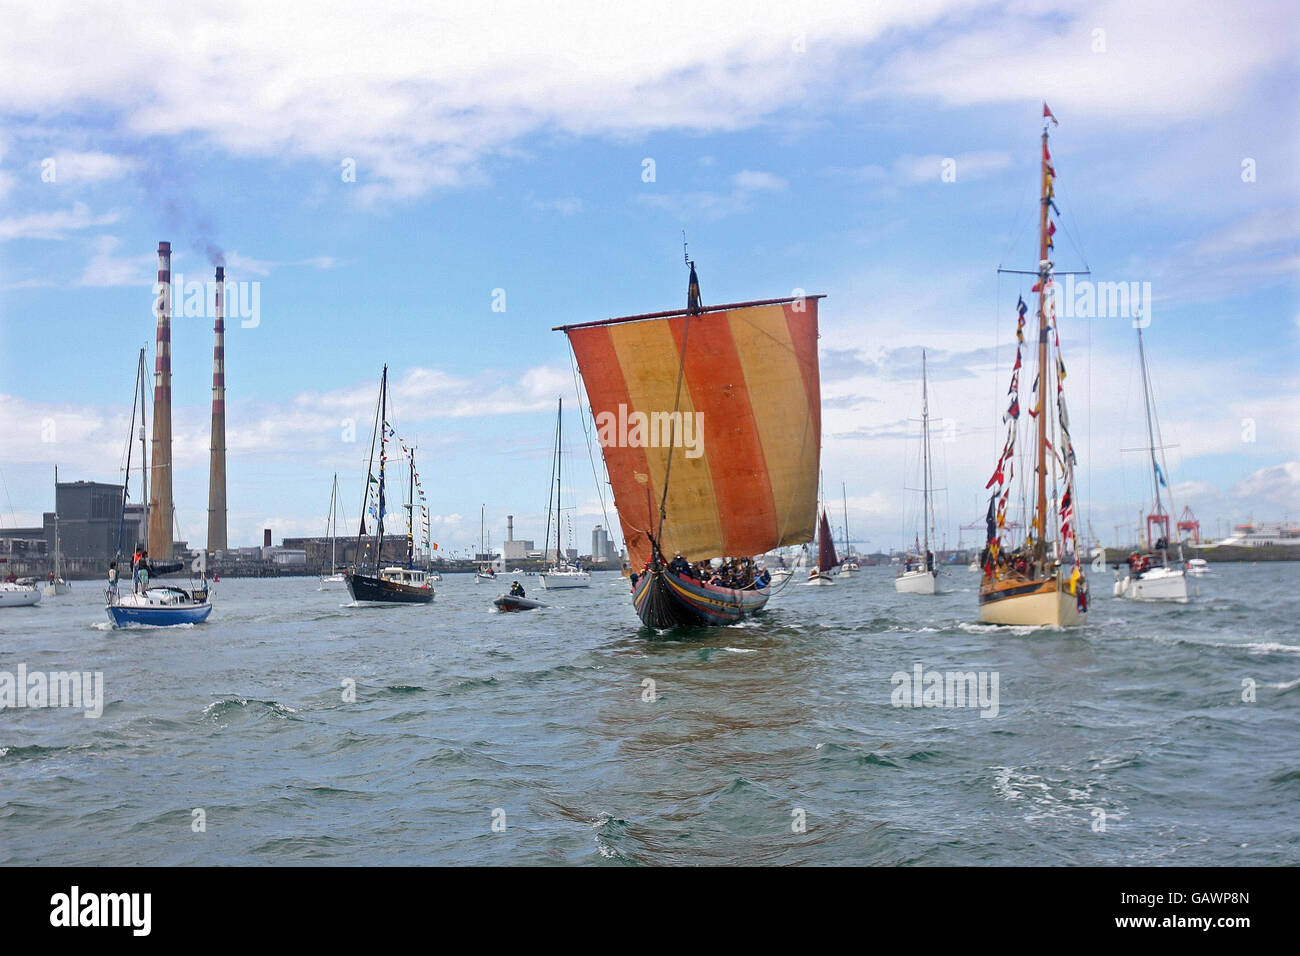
510	527
266	537
161	505
217	467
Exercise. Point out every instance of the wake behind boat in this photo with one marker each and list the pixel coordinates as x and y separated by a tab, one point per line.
694	466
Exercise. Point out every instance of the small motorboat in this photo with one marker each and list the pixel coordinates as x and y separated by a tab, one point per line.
18	595
1198	566
161	606
511	602
330	582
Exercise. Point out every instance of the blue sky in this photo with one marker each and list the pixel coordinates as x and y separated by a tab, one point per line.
501	149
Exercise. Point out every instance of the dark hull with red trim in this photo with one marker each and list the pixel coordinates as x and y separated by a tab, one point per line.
666	600
365	587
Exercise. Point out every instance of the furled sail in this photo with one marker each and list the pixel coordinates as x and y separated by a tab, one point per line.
742	432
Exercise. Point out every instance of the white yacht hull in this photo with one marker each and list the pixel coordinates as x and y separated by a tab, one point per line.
917	582
1158	584
558	580
12	595
819	580
55	588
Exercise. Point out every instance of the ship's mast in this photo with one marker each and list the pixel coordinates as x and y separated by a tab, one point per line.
559	475
1044	275
334	538
410	515
845	494
925	461
1151	447
142	378
370	464
383	455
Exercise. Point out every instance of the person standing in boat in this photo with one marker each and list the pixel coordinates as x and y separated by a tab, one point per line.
680	566
112	579
142	572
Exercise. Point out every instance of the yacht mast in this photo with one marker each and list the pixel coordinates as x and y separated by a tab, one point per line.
1039	525
925	466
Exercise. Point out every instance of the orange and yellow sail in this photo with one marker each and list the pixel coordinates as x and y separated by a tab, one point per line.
743	431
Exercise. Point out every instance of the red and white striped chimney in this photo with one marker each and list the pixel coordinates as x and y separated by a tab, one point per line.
161	505
217	468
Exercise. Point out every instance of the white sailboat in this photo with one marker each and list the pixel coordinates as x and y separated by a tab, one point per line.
561	574
18	595
1151	576
56	584
336	578
486	569
849	566
919	574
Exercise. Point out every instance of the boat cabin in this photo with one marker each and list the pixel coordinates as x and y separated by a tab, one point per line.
411	577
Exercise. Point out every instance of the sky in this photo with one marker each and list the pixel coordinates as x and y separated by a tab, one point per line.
435	186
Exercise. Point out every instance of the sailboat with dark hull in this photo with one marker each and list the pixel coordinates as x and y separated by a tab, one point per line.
395	584
1037	580
698	470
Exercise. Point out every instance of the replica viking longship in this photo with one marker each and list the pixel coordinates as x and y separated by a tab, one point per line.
710	424
1037	581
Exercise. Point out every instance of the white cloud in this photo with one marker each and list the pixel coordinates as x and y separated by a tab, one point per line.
91	166
750	180
55	224
1161	63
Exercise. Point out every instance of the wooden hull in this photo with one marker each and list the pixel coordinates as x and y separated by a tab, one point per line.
666	600
1044	603
366	588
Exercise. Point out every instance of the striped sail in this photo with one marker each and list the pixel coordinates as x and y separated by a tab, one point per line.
745	448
